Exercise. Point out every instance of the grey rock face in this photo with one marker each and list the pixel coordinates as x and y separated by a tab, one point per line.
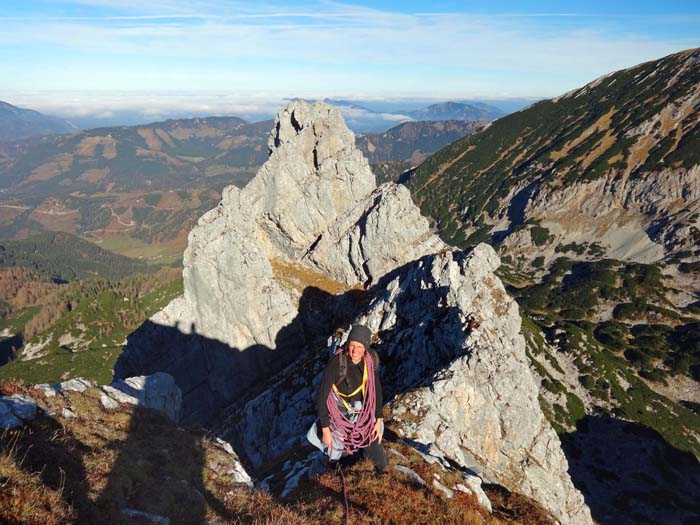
480	398
46	389
314	175
464	394
474	484
468	395
78	384
314	201
410	473
21	406
379	234
442	488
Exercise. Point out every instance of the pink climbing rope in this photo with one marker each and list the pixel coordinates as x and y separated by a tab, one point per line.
357	435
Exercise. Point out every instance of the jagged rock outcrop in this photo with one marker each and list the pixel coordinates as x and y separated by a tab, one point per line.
465	393
157	391
314	202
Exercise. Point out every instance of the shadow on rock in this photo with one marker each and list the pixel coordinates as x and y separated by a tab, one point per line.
213	375
628	474
425	334
240	394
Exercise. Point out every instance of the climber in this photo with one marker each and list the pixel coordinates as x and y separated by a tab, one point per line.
349	403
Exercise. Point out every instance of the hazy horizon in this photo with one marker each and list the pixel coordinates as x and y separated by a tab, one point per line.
87	110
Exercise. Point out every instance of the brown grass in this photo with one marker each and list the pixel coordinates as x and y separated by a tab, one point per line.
165	137
24	498
639	152
84	470
604	145
152	141
300	277
601	124
49	170
94	176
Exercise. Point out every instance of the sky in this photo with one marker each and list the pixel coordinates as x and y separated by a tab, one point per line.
103	57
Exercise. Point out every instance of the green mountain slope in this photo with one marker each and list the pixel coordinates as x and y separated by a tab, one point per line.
614	160
593	201
64	257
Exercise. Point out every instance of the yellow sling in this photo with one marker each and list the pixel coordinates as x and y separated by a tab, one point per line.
359	389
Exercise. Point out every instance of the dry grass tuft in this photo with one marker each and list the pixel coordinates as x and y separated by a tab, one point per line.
300	277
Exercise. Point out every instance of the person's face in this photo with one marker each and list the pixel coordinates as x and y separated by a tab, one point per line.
356	351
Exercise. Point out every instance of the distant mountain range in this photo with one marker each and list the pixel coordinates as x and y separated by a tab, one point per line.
158	156
139	186
17	123
457	111
136	188
372	119
361	115
414	140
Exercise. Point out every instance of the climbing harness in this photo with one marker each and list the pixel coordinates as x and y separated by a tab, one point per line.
342	397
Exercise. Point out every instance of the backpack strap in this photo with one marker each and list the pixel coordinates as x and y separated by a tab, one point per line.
343	364
342	367
375	358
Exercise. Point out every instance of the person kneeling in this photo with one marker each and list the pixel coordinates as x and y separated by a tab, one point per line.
349	403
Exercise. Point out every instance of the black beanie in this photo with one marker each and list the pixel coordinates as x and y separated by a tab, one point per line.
361	334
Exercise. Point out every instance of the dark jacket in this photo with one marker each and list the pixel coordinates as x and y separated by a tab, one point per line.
352	380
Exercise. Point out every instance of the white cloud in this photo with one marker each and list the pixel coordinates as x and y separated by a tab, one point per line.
341	34
321	49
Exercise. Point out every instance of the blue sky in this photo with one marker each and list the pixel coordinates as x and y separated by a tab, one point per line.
109	52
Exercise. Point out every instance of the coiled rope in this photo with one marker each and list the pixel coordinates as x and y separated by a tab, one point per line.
354	433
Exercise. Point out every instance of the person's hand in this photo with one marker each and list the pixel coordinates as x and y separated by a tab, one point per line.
327	437
377	430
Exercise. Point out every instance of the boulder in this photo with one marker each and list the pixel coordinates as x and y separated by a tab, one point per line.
23	407
157	391
7	418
